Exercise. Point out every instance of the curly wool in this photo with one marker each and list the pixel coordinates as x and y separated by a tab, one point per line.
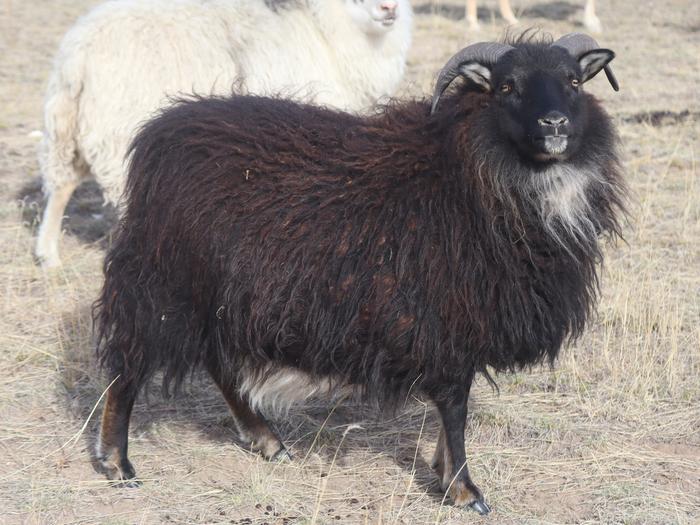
392	252
124	60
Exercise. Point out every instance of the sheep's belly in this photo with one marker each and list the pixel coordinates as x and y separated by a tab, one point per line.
274	390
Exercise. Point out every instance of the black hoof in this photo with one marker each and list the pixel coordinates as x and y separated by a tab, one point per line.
281	455
127	470
127	484
121	476
481	507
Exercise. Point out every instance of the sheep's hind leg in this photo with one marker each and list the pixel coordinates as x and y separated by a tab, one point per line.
450	460
46	250
252	427
112	445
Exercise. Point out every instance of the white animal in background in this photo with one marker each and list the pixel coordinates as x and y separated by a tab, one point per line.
124	60
590	20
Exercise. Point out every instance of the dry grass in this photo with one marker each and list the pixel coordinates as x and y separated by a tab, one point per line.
611	435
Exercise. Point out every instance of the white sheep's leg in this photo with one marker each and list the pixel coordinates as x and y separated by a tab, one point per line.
50	229
590	20
470	10
507	12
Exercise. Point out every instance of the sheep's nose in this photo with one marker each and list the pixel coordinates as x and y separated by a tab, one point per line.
389	7
554	119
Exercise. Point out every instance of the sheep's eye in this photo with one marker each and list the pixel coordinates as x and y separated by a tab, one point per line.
575	82
506	88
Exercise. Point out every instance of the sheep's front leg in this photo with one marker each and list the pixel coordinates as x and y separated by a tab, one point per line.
507	12
471	13
112	444
252	427
590	20
450	461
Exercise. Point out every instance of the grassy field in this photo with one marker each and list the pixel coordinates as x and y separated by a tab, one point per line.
610	435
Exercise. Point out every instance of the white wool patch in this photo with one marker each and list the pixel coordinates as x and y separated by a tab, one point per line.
99	453
274	390
560	194
478	74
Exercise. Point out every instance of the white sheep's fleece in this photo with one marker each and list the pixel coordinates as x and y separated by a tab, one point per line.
123	60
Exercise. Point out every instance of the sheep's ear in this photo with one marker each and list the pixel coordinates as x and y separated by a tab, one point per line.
478	74
593	61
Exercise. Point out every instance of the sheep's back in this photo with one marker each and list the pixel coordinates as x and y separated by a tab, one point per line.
255	219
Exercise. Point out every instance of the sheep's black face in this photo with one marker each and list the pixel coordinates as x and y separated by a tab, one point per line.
542	108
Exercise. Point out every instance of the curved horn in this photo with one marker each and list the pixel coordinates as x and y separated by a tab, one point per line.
483	52
577	44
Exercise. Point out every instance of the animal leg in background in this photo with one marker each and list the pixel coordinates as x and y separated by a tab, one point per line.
111	450
507	12
503	6
50	229
63	169
472	18
252	427
590	20
450	461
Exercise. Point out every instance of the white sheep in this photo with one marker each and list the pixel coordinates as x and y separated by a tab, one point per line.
124	60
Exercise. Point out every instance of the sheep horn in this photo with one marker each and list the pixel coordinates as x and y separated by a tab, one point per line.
483	52
577	44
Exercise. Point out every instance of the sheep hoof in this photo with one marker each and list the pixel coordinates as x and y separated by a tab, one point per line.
128	484
480	506
123	478
465	494
47	261
121	472
281	455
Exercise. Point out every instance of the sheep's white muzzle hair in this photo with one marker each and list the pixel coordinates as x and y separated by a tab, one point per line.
555	144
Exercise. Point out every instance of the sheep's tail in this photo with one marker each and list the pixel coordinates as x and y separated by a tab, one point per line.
142	318
116	325
58	150
138	320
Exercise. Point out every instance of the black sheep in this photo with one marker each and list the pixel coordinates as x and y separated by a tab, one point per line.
292	249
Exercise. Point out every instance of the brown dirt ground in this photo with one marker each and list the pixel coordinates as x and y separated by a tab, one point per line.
610	435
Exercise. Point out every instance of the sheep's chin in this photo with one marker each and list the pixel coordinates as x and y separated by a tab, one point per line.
549	157
382	25
552	148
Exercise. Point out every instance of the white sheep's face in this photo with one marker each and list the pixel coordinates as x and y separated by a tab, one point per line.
375	16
